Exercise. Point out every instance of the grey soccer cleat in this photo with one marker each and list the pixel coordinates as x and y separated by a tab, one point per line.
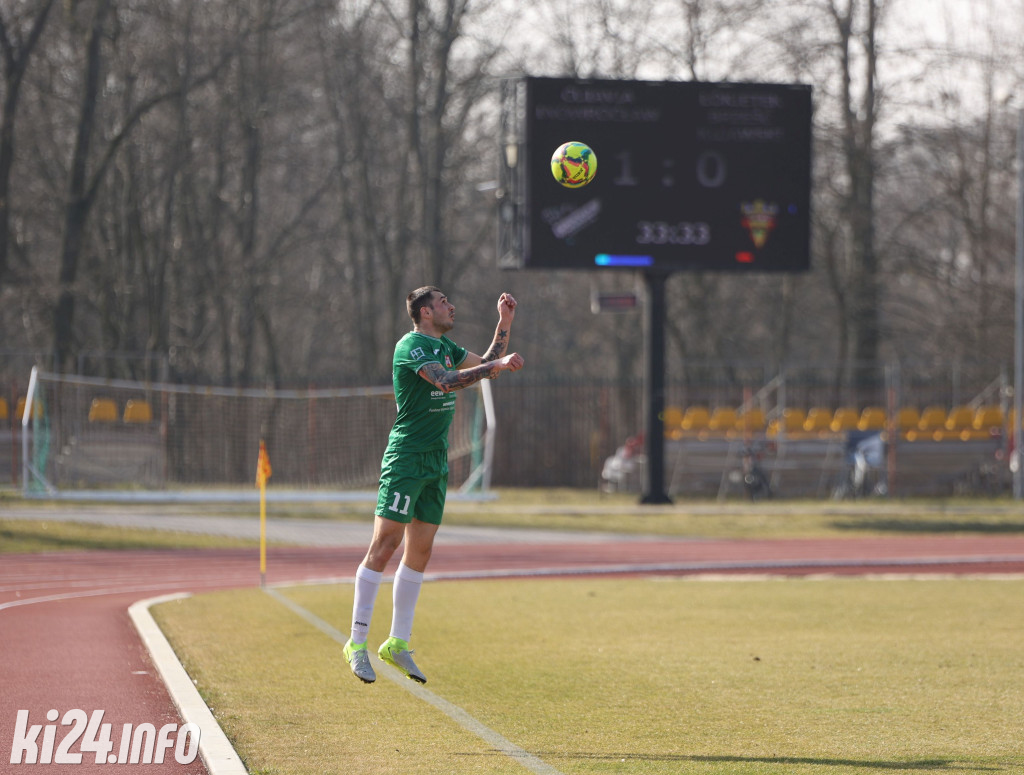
358	659
396	652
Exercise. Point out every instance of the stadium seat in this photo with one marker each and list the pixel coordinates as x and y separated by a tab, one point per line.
844	419
960	418
103	410
751	421
818	420
986	423
989	419
791	422
907	420
4	409
142	412
872	418
933	418
723	420
695	419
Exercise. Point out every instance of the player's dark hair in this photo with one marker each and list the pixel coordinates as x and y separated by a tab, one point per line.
419	299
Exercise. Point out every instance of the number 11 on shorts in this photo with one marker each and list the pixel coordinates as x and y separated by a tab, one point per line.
404	511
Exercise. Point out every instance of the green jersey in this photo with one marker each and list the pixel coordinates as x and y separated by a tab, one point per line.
424	412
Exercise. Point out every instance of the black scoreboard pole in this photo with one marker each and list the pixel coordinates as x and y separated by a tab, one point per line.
654	399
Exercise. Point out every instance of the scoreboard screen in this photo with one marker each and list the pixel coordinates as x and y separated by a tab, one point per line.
691	176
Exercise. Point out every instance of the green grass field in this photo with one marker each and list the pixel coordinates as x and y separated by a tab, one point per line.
30	536
657	675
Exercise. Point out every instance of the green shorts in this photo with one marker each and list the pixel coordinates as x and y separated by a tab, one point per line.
413	486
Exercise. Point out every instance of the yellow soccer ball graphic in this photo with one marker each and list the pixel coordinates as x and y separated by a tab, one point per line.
574	164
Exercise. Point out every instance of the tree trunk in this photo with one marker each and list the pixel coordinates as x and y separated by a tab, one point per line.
79	197
14	66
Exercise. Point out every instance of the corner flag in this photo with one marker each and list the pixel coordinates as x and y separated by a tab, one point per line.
262	474
262	466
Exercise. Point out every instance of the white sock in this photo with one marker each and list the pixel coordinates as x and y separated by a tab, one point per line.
406	593
367	584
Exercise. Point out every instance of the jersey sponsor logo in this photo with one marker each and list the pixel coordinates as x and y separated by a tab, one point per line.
418	354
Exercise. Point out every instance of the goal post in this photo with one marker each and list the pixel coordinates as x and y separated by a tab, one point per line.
126	440
34	429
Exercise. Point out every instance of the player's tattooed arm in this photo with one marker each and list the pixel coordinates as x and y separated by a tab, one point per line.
443	379
499	344
438	376
497	348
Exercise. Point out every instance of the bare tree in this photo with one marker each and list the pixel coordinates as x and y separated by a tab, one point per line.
950	226
856	27
19	33
88	166
835	43
80	191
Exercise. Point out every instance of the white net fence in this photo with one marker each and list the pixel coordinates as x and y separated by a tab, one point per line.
88	434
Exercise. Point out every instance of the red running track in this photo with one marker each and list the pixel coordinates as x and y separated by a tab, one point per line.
66	641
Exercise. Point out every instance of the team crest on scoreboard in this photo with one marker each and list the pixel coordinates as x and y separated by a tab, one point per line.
759	220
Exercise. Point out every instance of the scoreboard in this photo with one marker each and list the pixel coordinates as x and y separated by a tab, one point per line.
692	176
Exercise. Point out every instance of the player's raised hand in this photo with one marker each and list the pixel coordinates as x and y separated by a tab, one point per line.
507	307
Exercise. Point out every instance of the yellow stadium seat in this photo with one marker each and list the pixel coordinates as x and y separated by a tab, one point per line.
872	418
933	418
960	418
989	418
103	410
4	409
986	422
818	420
792	421
723	420
907	419
844	419
672	415
751	421
140	411
695	419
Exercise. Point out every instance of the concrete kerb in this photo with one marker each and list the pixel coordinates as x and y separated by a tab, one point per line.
215	749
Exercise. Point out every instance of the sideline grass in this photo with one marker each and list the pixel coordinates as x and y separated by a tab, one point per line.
655	676
590	510
30	536
570	509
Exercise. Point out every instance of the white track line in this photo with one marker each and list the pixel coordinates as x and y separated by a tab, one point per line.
454	712
216	750
112	591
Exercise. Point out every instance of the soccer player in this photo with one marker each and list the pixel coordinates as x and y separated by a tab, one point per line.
427	368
